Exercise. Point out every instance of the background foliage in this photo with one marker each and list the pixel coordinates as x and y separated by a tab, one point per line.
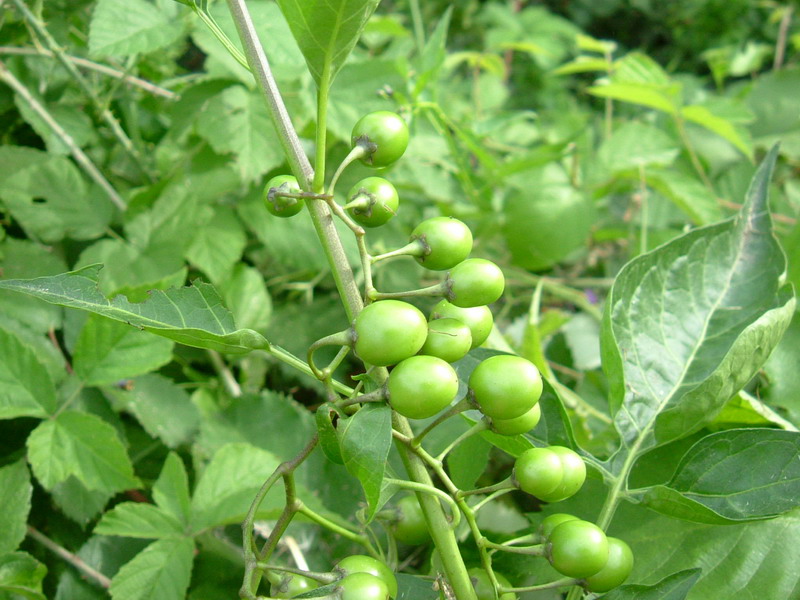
572	137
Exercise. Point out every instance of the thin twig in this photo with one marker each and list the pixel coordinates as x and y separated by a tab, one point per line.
228	380
104	113
93	66
71	558
80	157
783	32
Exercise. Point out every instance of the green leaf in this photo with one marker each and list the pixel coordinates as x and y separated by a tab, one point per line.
687	193
732	476
672	587
15	498
365	439
108	351
138	520
326	31
75	121
26	389
192	315
77	502
245	294
82	445
583	64
22	259
237	122
171	489
777	110
328	440
159	572
49	198
21	576
128	27
228	484
634	145
161	406
467	462
687	325
659	97
784	376
719	125
410	587
218	246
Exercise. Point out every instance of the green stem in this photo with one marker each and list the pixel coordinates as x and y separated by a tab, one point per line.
348	534
491	498
476	428
73	559
440	289
542	586
443	536
290	359
455	515
324	578
415	248
506	484
457	408
698	166
536	550
220	35
354	154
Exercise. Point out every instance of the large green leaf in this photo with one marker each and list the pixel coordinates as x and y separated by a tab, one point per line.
159	572
82	445
687	325
365	439
21	576
191	315
733	476
26	389
15	498
326	31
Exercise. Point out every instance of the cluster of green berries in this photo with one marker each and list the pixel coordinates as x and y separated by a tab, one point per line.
356	577
423	382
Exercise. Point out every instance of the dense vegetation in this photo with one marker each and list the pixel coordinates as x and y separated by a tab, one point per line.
626	171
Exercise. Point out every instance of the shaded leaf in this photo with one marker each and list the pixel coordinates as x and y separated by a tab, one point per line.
25	385
733	476
365	439
15	498
138	520
192	315
108	351
672	587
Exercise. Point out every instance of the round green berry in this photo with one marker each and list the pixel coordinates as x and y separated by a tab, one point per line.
446	242
448	339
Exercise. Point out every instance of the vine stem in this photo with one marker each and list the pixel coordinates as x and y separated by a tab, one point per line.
80	157
143	84
104	113
71	558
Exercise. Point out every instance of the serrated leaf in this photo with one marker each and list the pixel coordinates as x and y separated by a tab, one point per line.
15	498
246	295
228	484
326	31
217	247
171	489
26	389
161	406
236	122
634	145
672	587
719	125
48	196
77	502
128	27
138	520
108	351
192	315
687	325
81	445
733	476
21	576
159	572
365	439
